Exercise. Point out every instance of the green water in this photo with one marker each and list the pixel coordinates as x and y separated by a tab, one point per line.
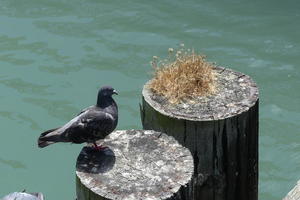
55	54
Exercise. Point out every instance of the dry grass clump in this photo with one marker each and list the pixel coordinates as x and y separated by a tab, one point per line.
183	76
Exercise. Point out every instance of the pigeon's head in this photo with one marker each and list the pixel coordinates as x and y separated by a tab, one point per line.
106	91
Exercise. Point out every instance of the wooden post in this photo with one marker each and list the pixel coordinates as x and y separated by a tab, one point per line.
294	194
137	164
221	131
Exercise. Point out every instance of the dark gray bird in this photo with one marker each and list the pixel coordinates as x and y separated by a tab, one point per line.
90	125
23	196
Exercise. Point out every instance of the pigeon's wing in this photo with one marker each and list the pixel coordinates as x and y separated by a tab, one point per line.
88	108
68	132
90	125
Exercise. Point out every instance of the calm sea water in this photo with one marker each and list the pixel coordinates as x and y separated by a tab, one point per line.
55	54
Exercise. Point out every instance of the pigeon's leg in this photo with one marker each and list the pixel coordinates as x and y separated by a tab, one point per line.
99	147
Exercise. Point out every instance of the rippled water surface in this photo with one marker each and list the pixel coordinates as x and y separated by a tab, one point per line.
55	54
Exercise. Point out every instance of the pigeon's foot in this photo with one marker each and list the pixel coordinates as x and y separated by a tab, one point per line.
99	147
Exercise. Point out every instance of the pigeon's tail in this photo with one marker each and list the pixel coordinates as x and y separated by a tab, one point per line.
49	137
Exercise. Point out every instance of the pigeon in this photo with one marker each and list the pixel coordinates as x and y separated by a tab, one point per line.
90	125
23	196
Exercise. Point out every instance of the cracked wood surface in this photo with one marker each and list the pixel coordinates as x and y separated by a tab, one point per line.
221	132
137	164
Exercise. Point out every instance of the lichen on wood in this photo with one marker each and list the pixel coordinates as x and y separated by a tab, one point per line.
136	165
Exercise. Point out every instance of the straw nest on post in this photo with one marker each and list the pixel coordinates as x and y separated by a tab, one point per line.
183	77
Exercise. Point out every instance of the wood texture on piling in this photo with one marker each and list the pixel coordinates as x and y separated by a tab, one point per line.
222	135
136	165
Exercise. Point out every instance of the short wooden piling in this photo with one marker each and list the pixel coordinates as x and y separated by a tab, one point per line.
220	130
136	165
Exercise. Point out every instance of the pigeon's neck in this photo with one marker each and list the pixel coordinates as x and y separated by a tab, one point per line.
108	105
105	101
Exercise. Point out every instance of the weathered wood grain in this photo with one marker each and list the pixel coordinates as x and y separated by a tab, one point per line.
221	132
137	164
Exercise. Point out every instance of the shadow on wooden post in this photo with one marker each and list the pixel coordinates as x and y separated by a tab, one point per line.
221	132
137	164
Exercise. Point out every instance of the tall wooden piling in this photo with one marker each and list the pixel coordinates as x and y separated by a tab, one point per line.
136	164
220	130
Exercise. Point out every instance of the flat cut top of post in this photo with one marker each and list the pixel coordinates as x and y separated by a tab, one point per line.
138	164
236	93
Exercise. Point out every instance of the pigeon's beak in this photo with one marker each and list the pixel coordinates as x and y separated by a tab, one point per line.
115	92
